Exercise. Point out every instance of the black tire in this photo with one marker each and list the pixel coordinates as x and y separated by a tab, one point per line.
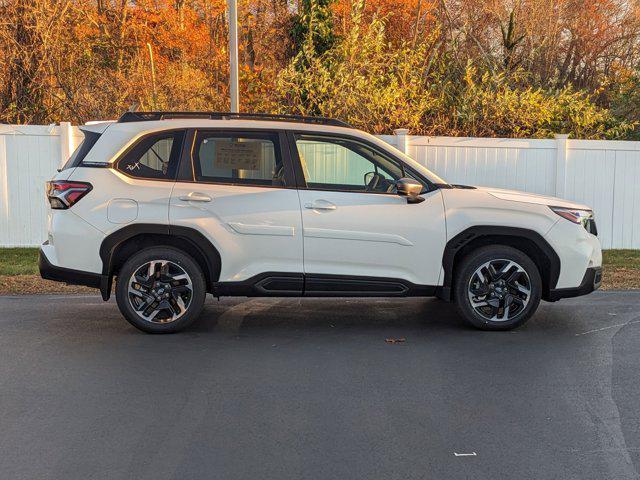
161	284
498	289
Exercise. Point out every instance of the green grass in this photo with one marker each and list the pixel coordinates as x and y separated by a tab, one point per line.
24	261
621	258
18	261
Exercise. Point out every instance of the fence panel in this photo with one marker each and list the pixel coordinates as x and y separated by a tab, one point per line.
490	162
606	175
29	156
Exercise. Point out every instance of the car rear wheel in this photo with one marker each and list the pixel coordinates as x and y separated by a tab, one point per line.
497	288
160	290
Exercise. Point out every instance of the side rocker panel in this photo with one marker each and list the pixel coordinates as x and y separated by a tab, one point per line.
281	284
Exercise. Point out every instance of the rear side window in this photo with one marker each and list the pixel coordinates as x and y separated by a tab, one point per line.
245	158
90	139
154	157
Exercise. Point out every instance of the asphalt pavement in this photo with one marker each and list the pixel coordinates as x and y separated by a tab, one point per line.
310	389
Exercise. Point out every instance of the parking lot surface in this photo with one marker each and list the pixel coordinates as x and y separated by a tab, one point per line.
311	389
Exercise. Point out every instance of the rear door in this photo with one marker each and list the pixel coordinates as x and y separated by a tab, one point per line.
356	225
237	188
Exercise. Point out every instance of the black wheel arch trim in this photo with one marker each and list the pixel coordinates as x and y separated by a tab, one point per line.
462	239
212	256
193	238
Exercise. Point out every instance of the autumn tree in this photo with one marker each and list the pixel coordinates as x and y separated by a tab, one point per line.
446	67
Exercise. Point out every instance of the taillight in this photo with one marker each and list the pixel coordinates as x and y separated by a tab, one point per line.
63	194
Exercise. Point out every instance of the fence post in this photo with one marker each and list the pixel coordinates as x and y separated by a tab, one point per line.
561	163
402	139
66	142
5	231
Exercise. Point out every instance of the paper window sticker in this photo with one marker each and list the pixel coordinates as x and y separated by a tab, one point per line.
238	155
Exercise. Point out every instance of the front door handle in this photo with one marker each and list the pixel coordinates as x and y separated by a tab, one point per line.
320	205
195	197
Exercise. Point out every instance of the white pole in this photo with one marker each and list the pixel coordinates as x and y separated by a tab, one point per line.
66	142
233	54
402	139
561	163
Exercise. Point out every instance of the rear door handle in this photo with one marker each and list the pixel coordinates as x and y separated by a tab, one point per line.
195	197
320	205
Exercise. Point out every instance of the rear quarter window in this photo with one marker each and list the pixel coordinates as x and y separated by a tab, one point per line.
155	156
76	158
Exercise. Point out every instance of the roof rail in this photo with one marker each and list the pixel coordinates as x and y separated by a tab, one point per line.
152	116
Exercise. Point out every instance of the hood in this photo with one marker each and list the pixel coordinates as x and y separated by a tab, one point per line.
526	197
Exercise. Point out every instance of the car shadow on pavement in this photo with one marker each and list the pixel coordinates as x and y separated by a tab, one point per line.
326	313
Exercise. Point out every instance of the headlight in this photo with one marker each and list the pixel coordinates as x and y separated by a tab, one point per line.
578	216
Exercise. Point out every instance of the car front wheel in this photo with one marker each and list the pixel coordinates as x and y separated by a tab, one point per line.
497	288
160	290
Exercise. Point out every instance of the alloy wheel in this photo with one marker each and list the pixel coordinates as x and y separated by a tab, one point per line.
499	290
160	291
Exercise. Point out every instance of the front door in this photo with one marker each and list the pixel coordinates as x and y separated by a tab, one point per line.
237	188
354	223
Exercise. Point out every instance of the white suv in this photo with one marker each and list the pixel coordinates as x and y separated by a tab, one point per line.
177	205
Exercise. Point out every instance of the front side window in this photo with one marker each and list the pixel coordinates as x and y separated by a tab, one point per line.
154	157
243	159
334	163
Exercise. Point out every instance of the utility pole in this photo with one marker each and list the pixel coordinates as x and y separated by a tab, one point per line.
233	55
153	77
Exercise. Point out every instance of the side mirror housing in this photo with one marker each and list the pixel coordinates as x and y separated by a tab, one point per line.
410	188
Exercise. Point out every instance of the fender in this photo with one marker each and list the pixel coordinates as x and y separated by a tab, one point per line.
492	234
193	238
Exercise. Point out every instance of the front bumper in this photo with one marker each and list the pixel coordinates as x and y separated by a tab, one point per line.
67	275
590	282
577	249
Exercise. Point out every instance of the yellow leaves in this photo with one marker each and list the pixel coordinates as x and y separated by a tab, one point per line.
363	80
495	106
378	87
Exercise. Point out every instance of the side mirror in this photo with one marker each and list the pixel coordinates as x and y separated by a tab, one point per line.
410	188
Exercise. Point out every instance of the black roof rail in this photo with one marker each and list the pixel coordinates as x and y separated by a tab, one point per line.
152	116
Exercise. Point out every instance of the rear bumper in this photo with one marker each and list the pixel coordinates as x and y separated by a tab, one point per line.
69	276
590	282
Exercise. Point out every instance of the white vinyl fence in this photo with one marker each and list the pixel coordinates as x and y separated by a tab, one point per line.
602	174
29	156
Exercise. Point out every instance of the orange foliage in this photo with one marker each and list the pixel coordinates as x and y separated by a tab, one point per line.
85	59
405	19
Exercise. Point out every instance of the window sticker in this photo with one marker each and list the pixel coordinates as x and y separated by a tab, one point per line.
238	155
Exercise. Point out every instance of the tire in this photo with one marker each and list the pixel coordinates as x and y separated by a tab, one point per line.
167	301
497	279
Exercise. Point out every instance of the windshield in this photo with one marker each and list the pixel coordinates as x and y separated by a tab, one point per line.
421	169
